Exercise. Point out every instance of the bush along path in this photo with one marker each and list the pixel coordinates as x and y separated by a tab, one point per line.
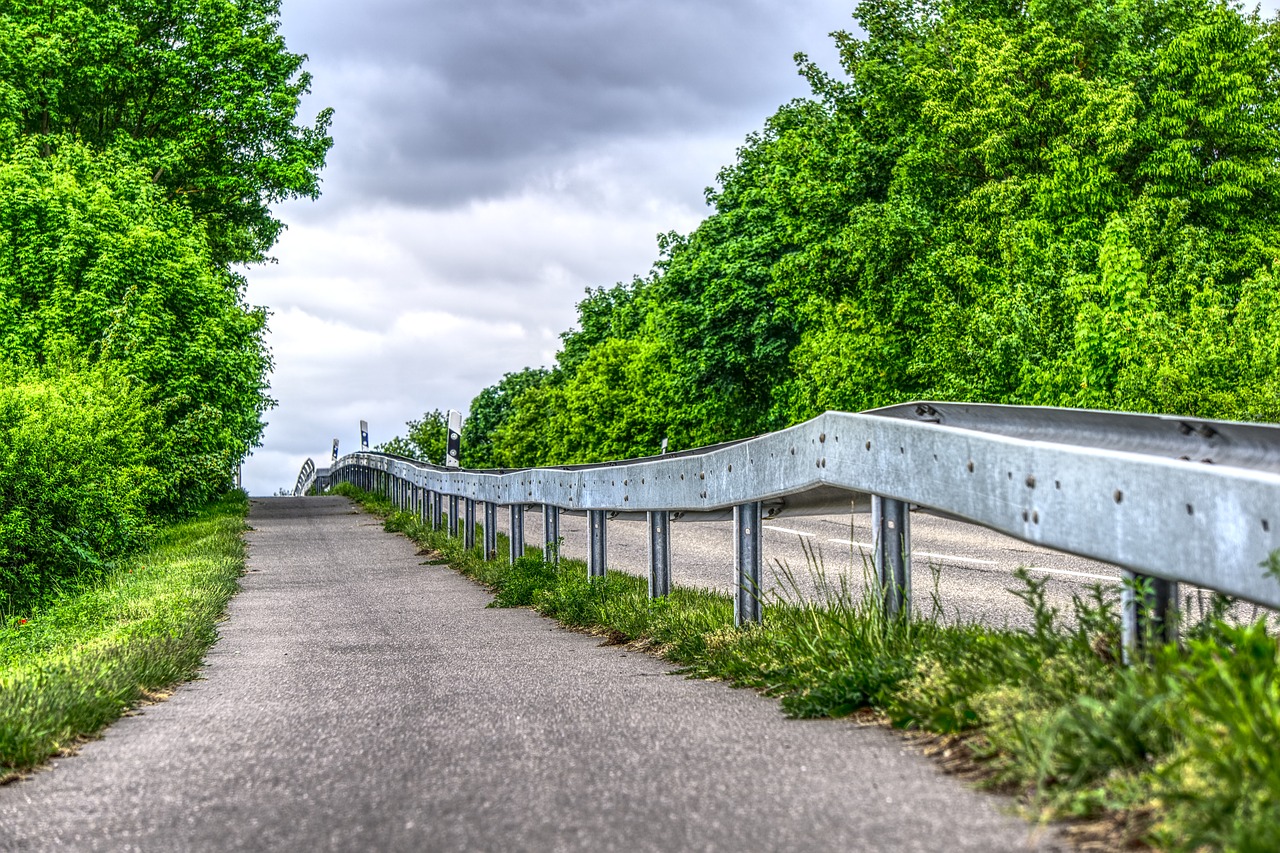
75	664
1178	752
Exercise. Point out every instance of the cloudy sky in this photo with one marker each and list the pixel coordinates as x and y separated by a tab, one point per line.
491	160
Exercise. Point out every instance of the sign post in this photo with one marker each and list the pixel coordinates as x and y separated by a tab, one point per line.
454	448
364	435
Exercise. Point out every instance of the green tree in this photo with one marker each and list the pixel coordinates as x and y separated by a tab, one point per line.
97	265
202	94
488	415
426	439
1067	202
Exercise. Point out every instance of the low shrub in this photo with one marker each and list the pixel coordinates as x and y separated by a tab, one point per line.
76	479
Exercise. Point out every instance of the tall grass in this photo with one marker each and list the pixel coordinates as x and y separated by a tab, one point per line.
76	663
1181	750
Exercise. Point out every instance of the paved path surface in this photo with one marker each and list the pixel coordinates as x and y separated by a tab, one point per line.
359	700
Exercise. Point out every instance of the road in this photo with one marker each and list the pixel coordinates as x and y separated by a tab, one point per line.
361	700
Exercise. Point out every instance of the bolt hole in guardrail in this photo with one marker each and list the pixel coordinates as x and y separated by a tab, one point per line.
1093	450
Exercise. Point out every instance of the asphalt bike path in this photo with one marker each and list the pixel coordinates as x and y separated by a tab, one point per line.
361	700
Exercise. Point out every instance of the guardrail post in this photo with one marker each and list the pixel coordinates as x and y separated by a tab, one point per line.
453	516
551	533
490	530
517	532
891	545
469	525
437	510
598	553
747	556
659	554
1148	611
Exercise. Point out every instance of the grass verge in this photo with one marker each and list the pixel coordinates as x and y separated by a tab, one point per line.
1181	752
78	662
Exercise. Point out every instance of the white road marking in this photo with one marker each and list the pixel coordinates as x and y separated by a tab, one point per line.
954	558
1111	578
867	545
847	542
785	530
919	553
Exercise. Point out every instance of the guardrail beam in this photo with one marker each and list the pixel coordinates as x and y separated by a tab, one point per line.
1133	491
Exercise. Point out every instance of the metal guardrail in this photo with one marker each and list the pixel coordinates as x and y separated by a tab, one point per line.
306	478
1165	498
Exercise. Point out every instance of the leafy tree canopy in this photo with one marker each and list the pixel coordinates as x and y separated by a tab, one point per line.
141	146
1062	202
426	439
201	93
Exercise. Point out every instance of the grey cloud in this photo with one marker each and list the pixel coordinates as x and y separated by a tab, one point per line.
442	103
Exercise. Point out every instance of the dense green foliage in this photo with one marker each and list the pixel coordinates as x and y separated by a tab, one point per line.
97	264
489	413
78	662
76	478
425	439
200	94
1178	749
141	145
1058	203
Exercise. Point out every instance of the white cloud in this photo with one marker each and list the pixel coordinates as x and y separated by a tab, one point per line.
487	169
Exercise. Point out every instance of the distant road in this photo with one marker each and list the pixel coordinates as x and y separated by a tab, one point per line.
362	701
